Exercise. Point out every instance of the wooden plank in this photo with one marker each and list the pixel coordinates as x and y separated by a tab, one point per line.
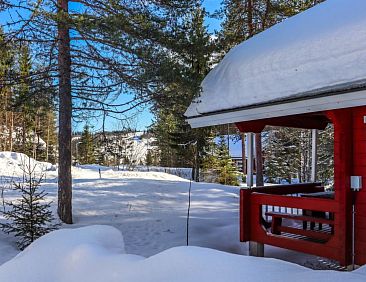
308	233
314	121
360	248
361	208
360	221
289	189
244	215
301	217
317	249
325	205
343	169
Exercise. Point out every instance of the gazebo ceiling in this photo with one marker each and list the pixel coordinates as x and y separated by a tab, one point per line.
307	121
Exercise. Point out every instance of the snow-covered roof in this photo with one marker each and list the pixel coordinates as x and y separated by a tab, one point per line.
316	53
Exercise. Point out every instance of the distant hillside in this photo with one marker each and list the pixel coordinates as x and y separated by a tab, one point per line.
125	149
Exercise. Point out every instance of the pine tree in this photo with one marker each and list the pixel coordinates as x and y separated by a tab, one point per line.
288	154
30	216
6	72
227	173
149	158
33	103
178	143
86	151
326	155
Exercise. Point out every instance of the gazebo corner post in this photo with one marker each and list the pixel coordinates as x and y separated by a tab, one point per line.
255	249
314	154
250	147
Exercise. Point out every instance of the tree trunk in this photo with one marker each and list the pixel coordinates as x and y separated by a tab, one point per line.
11	127
259	160
65	109
250	18
48	136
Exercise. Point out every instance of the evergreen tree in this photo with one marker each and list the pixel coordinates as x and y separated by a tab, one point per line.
178	143
326	155
288	154
282	154
227	173
149	158
86	151
33	104
30	216
6	73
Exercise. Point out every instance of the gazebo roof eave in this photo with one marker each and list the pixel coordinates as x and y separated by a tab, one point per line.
286	107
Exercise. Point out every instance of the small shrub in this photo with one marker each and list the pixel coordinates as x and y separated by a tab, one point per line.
29	217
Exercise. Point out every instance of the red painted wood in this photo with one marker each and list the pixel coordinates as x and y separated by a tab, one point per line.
259	234
343	169
361	223
313	121
315	204
289	189
349	159
361	198
308	233
300	217
244	216
359	168
360	252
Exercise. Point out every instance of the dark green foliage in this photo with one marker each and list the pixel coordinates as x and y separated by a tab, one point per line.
29	217
26	104
178	143
227	173
149	158
217	165
281	154
326	155
86	151
287	154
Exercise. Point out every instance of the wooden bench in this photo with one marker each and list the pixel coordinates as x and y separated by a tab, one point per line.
277	228
318	195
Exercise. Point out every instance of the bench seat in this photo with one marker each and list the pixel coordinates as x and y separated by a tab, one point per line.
277	228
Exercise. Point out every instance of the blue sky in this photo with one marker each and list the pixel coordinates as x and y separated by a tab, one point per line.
143	118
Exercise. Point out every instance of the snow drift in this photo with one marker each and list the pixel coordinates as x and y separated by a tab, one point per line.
96	253
13	164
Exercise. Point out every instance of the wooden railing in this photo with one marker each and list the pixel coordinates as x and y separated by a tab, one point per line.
282	201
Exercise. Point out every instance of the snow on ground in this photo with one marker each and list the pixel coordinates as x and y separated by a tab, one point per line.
95	253
149	209
13	164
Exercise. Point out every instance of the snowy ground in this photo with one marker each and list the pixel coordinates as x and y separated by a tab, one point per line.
96	253
149	209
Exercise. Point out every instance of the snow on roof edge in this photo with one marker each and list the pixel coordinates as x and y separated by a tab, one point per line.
316	93
315	51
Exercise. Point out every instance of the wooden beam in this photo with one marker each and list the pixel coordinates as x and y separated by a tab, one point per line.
313	121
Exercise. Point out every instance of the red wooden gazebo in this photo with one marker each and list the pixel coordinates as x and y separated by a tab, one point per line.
306	72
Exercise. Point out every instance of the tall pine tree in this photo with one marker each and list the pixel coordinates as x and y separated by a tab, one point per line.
194	50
